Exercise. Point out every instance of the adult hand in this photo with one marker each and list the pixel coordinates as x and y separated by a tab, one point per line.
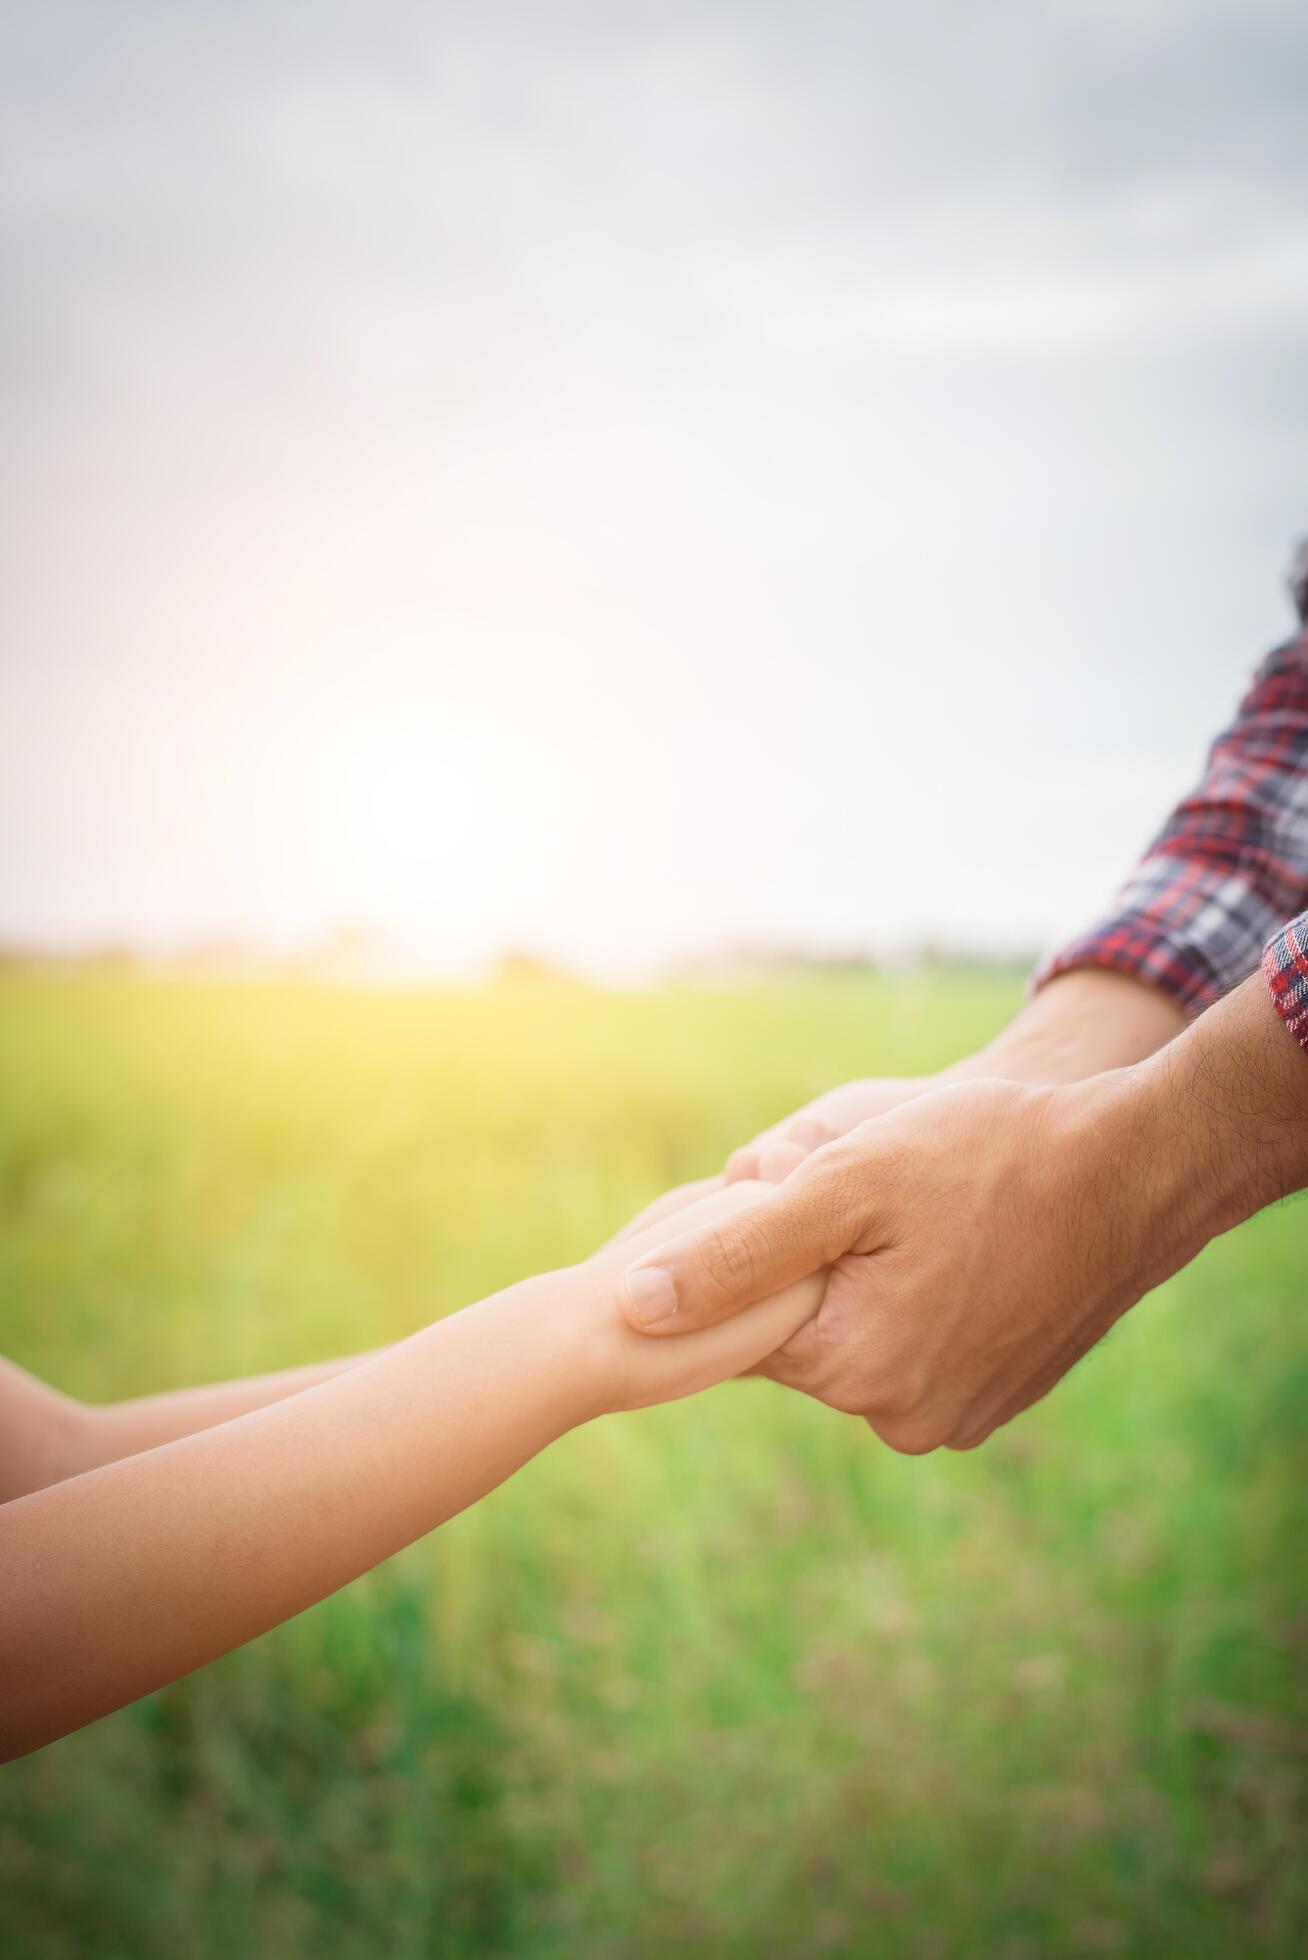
1078	1025
982	1237
634	1372
776	1152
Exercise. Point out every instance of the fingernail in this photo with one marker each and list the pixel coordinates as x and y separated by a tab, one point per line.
650	1294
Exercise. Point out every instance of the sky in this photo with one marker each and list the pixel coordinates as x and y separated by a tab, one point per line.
625	480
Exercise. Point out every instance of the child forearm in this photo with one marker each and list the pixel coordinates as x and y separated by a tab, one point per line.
121	1579
46	1436
116	1429
40	1432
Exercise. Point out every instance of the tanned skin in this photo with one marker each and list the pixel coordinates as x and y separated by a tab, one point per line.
983	1234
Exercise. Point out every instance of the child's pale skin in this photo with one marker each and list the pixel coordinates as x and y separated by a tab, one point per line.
140	1541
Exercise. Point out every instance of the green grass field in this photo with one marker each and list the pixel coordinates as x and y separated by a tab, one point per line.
726	1678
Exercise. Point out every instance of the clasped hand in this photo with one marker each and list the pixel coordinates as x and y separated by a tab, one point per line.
980	1234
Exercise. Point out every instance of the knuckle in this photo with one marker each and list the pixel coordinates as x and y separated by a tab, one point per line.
838	1378
904	1401
899	1151
793	1366
846	1395
733	1257
844	1157
912	1435
844	1189
835	1203
851	1168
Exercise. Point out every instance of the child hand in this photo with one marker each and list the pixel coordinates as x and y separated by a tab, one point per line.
636	1371
666	1206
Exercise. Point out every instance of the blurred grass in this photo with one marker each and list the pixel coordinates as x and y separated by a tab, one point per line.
725	1677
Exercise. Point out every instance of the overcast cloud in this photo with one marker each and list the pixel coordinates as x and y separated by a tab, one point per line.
623	478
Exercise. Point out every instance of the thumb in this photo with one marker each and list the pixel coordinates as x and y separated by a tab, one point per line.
785	1233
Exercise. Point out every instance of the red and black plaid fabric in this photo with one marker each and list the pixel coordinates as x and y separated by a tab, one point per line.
1229	867
1285	969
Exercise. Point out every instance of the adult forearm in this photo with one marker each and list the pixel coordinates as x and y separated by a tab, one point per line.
1077	1025
1226	1108
1172	1152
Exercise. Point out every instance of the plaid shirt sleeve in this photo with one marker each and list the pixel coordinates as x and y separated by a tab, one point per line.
1285	969
1229	867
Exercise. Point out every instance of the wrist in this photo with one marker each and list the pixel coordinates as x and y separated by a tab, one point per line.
1131	1165
1234	1093
572	1314
1203	1134
1078	1025
72	1439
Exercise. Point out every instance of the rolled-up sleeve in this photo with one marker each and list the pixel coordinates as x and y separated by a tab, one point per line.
1285	969
1228	868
